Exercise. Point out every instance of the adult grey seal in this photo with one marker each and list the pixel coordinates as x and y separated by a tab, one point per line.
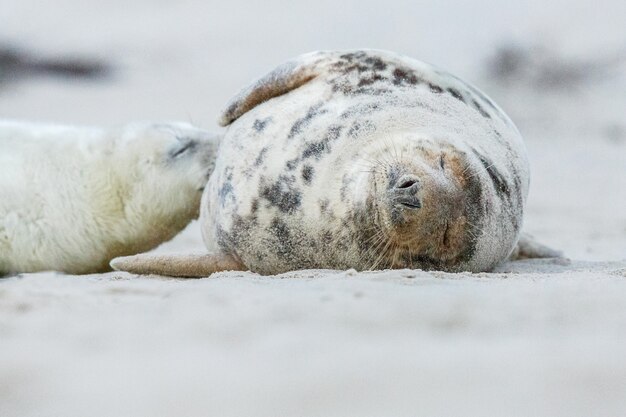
73	198
360	159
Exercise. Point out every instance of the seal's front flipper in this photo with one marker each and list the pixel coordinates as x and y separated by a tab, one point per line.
189	266
527	247
283	79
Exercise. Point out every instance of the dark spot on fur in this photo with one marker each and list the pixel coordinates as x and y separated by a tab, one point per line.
313	112
293	248
360	110
259	125
280	229
333	132
509	194
483	97
351	56
369	69
371	91
282	194
225	193
404	77
435	88
357	61
228	171
346	185
255	206
376	63
233	239
359	128
307	173
355	129
480	109
259	159
517	187
325	208
316	149
499	183
292	164
365	81
327	237
223	238
323	203
456	94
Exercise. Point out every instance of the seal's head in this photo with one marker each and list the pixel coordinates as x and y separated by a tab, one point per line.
170	162
430	206
145	184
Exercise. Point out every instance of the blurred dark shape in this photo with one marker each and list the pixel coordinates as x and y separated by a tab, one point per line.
16	64
541	68
508	62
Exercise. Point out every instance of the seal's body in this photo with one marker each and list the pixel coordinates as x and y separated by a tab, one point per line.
365	160
72	198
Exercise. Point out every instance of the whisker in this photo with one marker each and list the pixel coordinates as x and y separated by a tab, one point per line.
396	251
382	254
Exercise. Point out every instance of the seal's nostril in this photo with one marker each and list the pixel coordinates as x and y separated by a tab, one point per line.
405	193
406	184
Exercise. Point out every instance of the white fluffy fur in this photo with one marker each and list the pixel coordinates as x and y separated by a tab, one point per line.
72	198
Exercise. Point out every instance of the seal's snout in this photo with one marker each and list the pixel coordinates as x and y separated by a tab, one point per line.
405	193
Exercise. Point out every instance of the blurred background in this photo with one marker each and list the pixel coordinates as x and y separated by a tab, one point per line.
558	68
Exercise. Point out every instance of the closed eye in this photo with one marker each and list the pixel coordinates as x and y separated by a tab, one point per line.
442	162
184	146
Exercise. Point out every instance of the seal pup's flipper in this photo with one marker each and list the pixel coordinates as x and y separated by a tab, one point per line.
286	77
185	266
527	247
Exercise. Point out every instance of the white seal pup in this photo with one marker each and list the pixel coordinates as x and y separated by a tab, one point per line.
73	198
360	159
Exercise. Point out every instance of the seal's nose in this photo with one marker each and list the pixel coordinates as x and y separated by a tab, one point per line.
404	193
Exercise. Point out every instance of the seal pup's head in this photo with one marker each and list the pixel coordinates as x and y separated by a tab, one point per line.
151	180
429	207
170	162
